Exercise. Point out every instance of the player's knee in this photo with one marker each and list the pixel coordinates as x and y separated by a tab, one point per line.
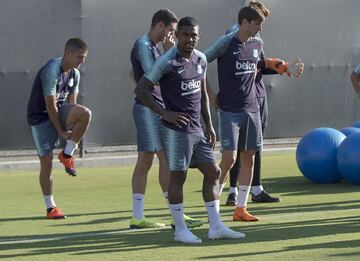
228	162
145	162
217	173
247	159
178	177
86	114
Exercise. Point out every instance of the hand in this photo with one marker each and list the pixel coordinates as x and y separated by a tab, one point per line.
169	41
180	119
65	134
277	65
296	67
210	132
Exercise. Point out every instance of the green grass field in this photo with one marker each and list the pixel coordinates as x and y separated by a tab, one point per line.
312	222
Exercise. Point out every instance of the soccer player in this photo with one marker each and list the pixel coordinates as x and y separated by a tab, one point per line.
258	194
355	79
239	56
181	73
148	124
52	112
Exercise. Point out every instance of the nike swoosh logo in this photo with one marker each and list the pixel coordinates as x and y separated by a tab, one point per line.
137	198
177	209
244	190
181	71
212	206
236	52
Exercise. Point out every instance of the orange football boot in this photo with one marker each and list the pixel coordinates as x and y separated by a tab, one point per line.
55	213
68	164
241	214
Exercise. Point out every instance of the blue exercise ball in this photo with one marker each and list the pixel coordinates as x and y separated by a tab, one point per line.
316	155
348	157
356	124
350	130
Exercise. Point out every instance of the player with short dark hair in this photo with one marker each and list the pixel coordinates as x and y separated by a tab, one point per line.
52	112
181	73
148	124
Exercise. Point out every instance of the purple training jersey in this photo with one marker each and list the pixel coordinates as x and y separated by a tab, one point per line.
51	81
180	82
237	69
143	55
259	82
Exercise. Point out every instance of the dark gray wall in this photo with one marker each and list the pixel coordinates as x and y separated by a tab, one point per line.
322	32
111	27
31	32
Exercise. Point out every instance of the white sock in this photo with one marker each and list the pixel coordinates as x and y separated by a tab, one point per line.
233	190
243	195
256	190
217	205
221	188
213	214
49	201
138	206
177	213
70	147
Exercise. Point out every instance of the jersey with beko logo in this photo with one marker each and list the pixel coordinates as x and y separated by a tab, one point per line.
259	82
180	82
143	55
237	68
51	81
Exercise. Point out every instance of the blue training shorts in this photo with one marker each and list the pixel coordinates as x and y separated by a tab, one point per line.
148	125
45	135
240	130
183	149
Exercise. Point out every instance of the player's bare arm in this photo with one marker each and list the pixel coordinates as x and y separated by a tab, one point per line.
205	113
73	97
52	110
212	96
142	91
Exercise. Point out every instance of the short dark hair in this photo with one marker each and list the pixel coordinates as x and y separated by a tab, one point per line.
187	21
164	15
75	44
251	12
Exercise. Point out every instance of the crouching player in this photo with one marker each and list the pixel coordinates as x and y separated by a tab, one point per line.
52	112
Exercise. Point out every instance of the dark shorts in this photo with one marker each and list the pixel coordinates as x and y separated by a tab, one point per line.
148	125
240	130
45	135
183	149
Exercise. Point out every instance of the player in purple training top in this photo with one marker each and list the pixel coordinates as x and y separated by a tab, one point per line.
238	55
258	194
181	72
148	124
52	112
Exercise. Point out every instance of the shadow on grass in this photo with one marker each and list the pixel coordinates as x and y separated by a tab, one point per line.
122	243
127	212
298	185
329	245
